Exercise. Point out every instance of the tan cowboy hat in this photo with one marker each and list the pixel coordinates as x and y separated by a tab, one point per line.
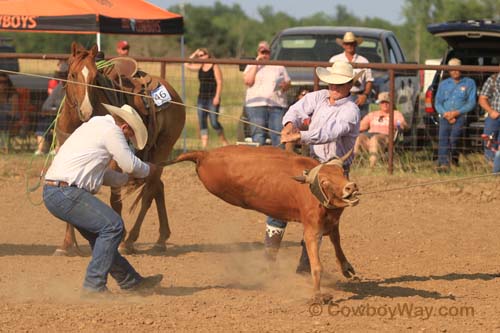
349	37
341	72
132	118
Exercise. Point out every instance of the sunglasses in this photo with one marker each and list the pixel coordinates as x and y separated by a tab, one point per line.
264	52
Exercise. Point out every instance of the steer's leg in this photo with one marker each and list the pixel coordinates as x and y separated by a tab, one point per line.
345	266
311	238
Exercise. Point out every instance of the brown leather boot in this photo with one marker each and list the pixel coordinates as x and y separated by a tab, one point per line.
272	241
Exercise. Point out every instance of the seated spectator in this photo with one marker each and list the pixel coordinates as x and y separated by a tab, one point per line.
9	105
375	126
49	109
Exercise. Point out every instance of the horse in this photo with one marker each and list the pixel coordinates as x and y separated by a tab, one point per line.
166	122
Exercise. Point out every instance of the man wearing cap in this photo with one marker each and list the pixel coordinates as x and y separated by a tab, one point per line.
265	99
332	132
122	48
362	88
455	97
78	171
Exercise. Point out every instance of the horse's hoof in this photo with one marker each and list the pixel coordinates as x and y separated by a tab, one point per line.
322	299
161	248
126	249
60	253
348	270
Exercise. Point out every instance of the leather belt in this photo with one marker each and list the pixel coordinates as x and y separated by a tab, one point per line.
57	183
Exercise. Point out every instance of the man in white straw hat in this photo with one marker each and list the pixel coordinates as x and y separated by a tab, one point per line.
361	90
78	171
333	129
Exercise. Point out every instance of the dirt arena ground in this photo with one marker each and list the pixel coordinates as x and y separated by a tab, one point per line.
427	259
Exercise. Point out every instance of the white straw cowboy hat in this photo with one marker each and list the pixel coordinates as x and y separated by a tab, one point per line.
349	37
132	118
341	72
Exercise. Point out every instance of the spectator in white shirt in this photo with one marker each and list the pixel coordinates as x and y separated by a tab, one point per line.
265	101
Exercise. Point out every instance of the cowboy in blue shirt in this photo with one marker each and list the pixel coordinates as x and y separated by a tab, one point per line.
455	97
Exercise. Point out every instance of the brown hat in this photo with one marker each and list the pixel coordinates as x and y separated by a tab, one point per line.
349	37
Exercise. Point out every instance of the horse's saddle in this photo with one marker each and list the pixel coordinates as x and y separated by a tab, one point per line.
133	84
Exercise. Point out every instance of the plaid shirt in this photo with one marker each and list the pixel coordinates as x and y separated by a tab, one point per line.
491	89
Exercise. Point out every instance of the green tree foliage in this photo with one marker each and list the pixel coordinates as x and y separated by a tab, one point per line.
229	32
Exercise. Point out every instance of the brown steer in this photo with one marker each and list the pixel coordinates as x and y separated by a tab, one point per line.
271	181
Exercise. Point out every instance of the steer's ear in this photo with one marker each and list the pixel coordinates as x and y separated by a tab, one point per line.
300	179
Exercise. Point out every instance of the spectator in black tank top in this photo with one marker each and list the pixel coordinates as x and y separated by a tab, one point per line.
210	77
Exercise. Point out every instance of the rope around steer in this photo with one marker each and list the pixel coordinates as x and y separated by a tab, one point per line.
430	183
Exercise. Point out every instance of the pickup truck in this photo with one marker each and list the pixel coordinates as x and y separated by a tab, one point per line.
318	43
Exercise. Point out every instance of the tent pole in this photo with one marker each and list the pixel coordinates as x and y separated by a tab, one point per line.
183	81
98	41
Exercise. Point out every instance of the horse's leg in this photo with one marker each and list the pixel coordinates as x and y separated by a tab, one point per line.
69	245
164	228
133	235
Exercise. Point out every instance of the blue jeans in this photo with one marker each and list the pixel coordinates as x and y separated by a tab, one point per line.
268	117
491	127
207	104
496	162
101	226
449	134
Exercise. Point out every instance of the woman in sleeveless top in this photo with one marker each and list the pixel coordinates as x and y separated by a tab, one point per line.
210	77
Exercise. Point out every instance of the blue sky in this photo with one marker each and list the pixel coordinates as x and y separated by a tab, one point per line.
387	9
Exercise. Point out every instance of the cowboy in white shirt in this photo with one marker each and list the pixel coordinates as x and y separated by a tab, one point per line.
361	90
78	171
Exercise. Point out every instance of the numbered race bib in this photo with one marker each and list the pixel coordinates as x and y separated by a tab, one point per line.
160	95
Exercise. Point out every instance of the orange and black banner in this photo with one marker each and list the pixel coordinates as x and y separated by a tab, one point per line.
91	24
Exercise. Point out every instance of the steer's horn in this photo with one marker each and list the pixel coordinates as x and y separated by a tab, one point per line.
307	176
347	155
300	179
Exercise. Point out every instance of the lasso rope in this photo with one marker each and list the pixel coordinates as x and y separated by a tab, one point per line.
140	95
431	183
103	64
